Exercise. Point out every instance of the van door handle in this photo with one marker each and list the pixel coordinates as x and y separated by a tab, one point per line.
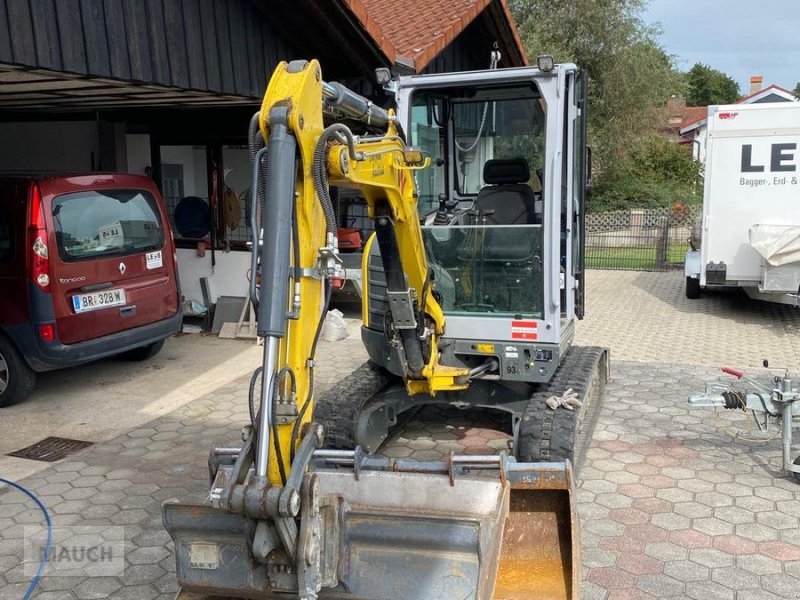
127	311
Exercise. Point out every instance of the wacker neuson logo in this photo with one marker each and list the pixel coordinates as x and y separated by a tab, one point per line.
79	551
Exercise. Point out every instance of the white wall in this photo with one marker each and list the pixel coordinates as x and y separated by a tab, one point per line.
50	146
194	168
200	176
699	144
228	278
138	152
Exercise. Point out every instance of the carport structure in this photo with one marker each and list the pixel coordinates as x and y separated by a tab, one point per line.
166	87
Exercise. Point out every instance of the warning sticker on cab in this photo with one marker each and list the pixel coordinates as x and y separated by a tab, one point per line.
153	259
523	330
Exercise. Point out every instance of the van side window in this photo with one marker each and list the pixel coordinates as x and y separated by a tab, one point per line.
6	235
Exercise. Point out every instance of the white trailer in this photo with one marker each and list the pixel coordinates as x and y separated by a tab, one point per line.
750	230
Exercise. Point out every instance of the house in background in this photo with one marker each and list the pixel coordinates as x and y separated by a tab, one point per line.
694	125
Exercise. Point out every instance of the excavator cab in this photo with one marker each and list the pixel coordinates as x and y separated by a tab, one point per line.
474	283
501	208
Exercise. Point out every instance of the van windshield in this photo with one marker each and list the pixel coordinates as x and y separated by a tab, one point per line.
96	223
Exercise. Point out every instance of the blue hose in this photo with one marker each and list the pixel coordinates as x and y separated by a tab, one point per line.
49	544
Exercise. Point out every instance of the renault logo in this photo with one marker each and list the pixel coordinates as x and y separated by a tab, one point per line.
122	268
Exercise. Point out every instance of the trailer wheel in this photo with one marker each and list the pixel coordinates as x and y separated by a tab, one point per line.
693	288
16	377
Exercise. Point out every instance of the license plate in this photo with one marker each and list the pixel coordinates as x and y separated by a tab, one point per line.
98	300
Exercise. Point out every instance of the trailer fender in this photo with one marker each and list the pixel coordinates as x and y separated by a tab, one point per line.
692	266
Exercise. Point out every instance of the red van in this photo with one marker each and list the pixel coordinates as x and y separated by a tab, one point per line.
87	270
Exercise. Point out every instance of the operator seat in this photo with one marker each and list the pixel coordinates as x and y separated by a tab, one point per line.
507	199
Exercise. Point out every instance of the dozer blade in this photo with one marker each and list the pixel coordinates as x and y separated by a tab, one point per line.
421	531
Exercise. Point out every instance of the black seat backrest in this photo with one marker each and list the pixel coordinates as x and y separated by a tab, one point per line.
507	193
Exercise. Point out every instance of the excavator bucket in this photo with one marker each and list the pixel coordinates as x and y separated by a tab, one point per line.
540	554
493	529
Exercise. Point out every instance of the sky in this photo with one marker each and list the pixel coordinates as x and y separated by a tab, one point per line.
739	37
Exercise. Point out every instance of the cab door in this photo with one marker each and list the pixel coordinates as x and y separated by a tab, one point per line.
580	174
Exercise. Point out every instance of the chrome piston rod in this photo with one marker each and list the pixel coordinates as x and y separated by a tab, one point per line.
354	106
267	381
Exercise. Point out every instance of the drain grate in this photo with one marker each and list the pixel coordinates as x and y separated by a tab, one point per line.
51	449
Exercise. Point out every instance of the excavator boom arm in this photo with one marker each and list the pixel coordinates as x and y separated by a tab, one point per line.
303	159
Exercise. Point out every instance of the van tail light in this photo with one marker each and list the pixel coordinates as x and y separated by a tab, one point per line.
40	262
47	332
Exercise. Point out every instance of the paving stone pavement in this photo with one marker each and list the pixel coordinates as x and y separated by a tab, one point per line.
647	317
670	506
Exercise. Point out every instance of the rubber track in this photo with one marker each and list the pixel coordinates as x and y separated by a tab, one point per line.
552	435
337	410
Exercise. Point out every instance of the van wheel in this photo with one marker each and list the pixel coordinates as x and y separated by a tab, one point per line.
16	377
144	352
693	288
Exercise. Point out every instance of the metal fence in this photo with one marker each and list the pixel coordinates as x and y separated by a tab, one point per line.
652	239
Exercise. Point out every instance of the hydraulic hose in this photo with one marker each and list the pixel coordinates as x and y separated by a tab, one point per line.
320	170
298	268
49	543
251	397
312	354
275	394
255	141
255	415
256	195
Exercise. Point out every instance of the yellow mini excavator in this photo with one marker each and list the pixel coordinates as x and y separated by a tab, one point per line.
473	280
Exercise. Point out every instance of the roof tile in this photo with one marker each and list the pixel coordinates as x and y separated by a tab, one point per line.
422	29
693	115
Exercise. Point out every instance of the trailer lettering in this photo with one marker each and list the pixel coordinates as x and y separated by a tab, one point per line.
747	160
780	156
753	182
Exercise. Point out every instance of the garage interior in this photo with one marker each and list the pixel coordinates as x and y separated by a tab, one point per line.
166	88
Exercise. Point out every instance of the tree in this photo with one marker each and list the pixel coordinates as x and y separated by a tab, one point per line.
796	91
631	76
706	86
